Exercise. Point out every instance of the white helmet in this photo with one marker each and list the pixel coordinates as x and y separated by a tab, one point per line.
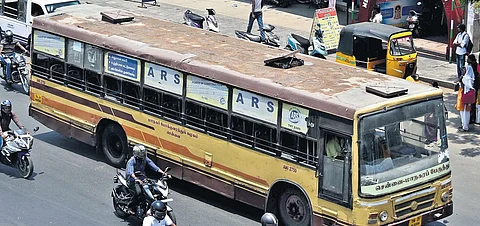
139	152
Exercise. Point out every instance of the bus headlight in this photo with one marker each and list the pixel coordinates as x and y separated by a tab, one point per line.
446	196
383	216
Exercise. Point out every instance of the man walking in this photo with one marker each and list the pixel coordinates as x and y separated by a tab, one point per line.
256	14
461	42
376	16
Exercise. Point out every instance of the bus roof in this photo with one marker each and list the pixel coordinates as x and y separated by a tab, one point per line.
319	84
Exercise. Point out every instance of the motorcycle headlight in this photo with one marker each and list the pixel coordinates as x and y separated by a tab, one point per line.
21	143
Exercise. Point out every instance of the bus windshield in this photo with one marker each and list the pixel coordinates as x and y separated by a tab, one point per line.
403	147
52	7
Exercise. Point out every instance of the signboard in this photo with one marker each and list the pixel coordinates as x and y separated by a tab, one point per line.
49	44
326	20
395	12
122	66
207	92
407	181
163	78
254	105
294	117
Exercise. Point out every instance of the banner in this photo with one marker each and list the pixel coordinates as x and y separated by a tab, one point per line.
163	78
49	44
395	12
254	105
294	117
207	92
326	20
122	66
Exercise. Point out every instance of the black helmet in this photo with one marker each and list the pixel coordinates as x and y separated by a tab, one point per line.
159	210
269	219
9	36
6	106
139	152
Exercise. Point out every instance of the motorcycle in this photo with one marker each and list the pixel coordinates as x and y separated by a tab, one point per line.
282	3
153	190
271	38
19	72
319	4
16	151
297	42
194	20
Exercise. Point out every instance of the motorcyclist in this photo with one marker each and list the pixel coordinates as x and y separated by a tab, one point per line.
5	118
137	163
7	48
269	219
159	216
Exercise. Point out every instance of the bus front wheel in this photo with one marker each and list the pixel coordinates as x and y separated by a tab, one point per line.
114	145
294	208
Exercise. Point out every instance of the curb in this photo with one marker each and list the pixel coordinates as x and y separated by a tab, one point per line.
442	83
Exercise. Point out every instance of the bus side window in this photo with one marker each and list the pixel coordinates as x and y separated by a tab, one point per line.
216	122
131	93
93	82
195	115
74	77
242	131
289	145
151	101
57	69
265	137
171	106
112	88
40	65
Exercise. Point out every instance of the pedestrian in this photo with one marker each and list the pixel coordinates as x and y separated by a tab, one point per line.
476	86
461	42
376	16
256	14
466	80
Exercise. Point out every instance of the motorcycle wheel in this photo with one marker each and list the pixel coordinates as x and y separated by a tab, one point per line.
25	83
118	210
171	214
25	165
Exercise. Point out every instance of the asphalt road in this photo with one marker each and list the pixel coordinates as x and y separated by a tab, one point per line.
71	185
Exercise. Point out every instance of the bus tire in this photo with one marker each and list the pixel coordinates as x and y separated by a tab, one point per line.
293	207
115	145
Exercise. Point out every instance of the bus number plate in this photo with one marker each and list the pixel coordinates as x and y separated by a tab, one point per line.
289	168
37	98
417	221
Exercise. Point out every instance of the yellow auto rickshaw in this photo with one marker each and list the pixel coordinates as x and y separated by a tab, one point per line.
378	47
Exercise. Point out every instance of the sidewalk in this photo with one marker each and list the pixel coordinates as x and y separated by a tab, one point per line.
233	15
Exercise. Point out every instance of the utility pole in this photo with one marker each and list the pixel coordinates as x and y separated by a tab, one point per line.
451	32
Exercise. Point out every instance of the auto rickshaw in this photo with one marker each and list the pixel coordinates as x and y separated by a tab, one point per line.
378	47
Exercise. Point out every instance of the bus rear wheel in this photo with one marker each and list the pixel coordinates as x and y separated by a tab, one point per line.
114	145
294	208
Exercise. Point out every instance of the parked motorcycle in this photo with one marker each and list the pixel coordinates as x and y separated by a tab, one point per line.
319	4
297	42
281	3
16	151
19	72
153	190
271	38
194	20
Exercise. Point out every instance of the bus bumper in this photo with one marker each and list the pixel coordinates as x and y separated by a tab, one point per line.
432	215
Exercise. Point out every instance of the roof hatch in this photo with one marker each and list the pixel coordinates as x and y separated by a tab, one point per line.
116	17
285	61
386	90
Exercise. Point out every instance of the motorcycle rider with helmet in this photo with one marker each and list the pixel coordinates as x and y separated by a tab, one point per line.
269	219
137	163
7	48
158	216
6	117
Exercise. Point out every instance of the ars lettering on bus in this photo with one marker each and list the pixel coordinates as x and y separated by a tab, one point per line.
254	104
163	75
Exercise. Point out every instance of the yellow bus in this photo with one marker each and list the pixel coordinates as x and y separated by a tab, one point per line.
314	142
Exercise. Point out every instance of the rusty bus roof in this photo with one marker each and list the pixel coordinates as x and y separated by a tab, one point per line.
319	84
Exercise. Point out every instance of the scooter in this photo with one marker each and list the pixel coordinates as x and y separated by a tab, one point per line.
16	151
19	72
271	38
297	42
194	20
